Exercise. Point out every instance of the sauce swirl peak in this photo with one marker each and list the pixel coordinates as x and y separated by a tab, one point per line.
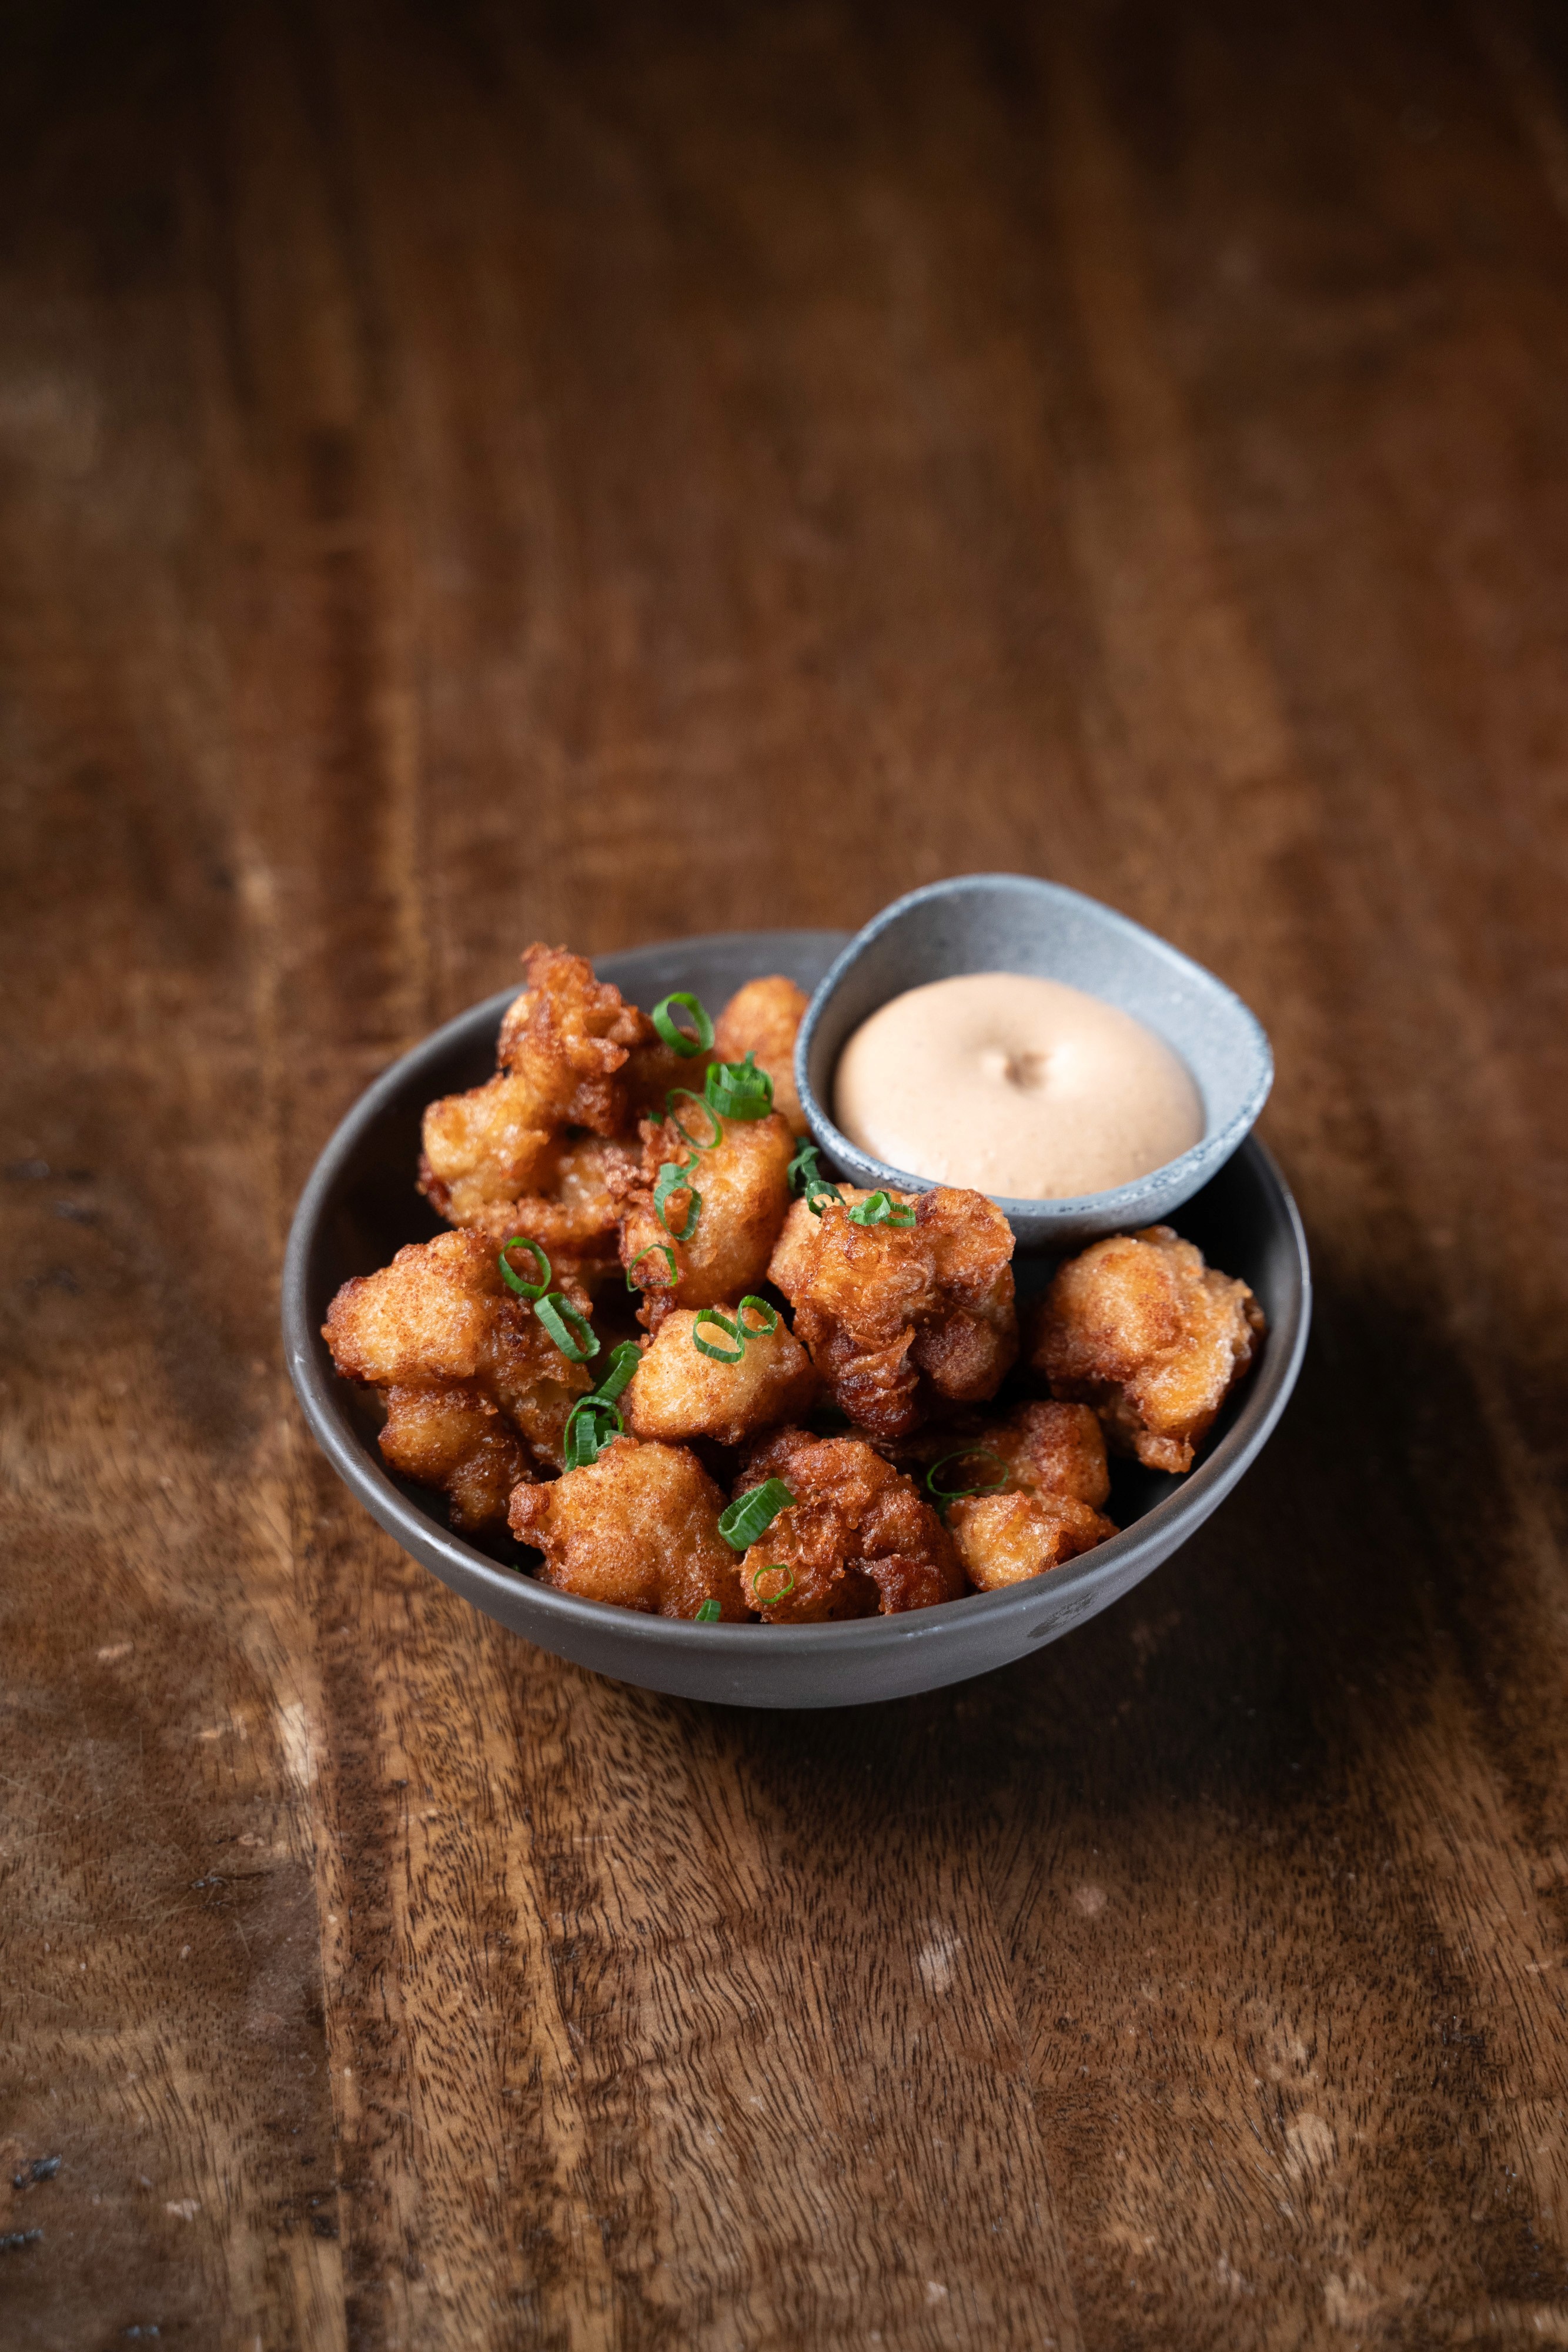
1017	1086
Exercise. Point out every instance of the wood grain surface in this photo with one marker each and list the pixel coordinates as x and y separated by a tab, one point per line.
475	472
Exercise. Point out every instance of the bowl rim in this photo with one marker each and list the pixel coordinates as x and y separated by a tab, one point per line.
1199	1161
321	1392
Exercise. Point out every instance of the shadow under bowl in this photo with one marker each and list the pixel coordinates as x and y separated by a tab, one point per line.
1014	923
359	1207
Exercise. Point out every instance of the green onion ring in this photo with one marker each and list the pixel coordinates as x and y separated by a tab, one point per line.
709	1614
756	1330
706	1347
662	1250
749	1517
738	1089
585	1436
515	1281
803	1165
880	1209
771	1599
624	1361
677	1094
674	1176
684	1044
820	1193
562	1320
967	1453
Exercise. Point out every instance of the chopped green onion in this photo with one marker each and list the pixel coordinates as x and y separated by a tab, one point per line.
591	1425
804	1164
680	1094
514	1280
624	1361
709	1614
878	1209
749	1517
807	1180
674	1176
655	1249
756	1330
738	1089
684	1044
967	1453
572	1332
706	1347
819	1194
775	1568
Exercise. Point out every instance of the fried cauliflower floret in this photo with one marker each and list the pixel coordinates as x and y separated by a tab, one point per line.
896	1316
743	1185
440	1319
676	1391
638	1528
1137	1326
856	1539
1006	1539
575	1215
763	1018
1050	1449
454	1436
562	1046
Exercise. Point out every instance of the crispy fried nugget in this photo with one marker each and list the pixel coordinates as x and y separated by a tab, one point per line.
1006	1539
858	1539
441	1320
638	1528
742	1186
454	1436
1050	1449
763	1018
1139	1327
883	1310
562	1046
676	1391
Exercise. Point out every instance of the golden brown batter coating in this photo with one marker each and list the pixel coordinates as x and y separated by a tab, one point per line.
763	1018
677	1392
744	1186
1137	1326
562	1046
454	1436
441	1318
1048	1449
896	1317
858	1539
1006	1539
638	1528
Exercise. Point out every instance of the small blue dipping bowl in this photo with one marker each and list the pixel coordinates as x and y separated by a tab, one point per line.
1011	922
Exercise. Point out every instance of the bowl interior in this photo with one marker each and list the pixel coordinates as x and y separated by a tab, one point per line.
1014	922
361	1207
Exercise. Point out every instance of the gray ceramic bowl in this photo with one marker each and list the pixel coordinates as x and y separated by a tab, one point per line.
1010	922
359	1206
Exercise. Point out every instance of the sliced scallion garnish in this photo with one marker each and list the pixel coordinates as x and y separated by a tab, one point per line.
709	1614
624	1361
685	1094
591	1425
807	1180
775	1568
721	1322
738	1089
572	1332
967	1453
684	1042
750	1515
756	1330
674	1176
880	1209
514	1280
655	1249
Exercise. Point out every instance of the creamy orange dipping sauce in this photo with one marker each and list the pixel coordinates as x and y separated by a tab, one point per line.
1016	1085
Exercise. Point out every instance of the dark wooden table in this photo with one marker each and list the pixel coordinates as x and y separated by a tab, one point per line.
472	473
